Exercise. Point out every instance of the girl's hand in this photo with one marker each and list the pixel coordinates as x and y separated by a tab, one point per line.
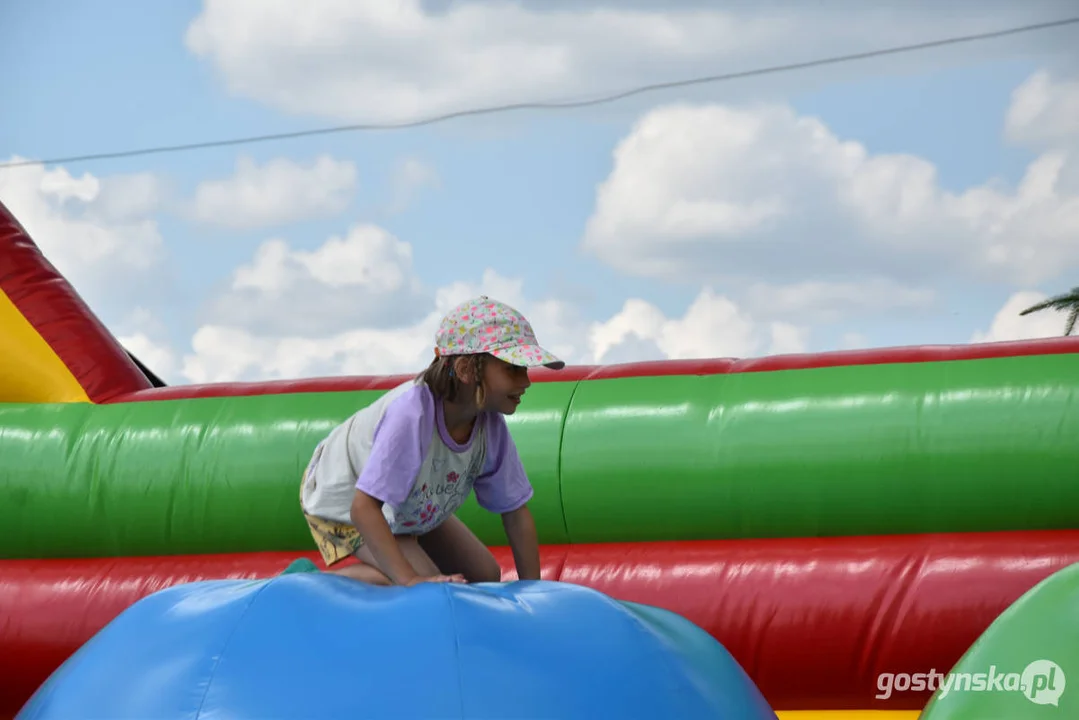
455	578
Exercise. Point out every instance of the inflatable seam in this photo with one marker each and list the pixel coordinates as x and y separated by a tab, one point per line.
224	646
456	649
561	440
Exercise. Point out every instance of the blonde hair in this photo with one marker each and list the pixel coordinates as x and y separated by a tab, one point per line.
444	382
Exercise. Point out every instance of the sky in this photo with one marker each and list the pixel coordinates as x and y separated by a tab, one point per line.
914	198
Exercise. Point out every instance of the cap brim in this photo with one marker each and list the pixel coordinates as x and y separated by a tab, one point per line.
529	356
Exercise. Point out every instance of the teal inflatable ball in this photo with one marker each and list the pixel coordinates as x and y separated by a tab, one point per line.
317	645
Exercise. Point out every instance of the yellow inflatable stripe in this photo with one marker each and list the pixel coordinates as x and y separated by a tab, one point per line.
30	372
848	714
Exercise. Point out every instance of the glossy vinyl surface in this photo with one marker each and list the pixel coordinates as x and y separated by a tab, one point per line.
207	475
29	369
871	449
315	645
60	316
812	621
922	447
1025	665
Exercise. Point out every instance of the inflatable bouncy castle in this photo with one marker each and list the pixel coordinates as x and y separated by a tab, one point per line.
869	534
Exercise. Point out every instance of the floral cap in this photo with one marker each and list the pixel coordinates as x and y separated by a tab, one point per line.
483	325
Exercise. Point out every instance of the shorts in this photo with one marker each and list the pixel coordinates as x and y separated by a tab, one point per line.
336	541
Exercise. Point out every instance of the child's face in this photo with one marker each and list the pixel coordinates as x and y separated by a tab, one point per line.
503	385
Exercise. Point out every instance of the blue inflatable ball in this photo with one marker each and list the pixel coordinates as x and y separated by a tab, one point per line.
316	645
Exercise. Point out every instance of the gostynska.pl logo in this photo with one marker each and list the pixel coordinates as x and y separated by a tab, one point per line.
1041	682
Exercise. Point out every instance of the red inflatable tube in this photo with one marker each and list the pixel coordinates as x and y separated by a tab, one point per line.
707	366
813	621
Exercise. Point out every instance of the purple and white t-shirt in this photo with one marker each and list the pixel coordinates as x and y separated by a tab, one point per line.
398	450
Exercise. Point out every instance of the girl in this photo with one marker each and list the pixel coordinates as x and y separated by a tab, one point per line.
384	485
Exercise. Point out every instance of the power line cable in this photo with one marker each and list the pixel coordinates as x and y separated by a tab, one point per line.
554	105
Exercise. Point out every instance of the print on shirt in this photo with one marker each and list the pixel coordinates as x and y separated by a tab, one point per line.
439	494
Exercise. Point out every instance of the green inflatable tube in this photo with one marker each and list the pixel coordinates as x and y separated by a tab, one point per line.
857	450
1025	665
204	475
902	448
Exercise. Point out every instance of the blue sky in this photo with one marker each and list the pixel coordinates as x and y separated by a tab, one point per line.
513	193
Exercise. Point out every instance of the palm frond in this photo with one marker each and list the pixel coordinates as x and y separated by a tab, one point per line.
1072	317
1044	305
1062	302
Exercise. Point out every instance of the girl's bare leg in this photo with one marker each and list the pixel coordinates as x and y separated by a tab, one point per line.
363	572
454	548
368	570
449	549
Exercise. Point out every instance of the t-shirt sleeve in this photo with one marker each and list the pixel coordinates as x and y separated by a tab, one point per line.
503	486
397	450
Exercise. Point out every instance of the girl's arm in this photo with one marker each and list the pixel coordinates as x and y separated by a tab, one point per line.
504	488
367	516
399	444
521	532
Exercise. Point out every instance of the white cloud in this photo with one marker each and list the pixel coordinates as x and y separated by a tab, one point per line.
363	278
228	354
98	232
351	306
1007	324
1044	111
819	302
782	225
779	223
273	321
369	60
409	177
714	193
145	336
853	341
277	192
127	198
713	326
